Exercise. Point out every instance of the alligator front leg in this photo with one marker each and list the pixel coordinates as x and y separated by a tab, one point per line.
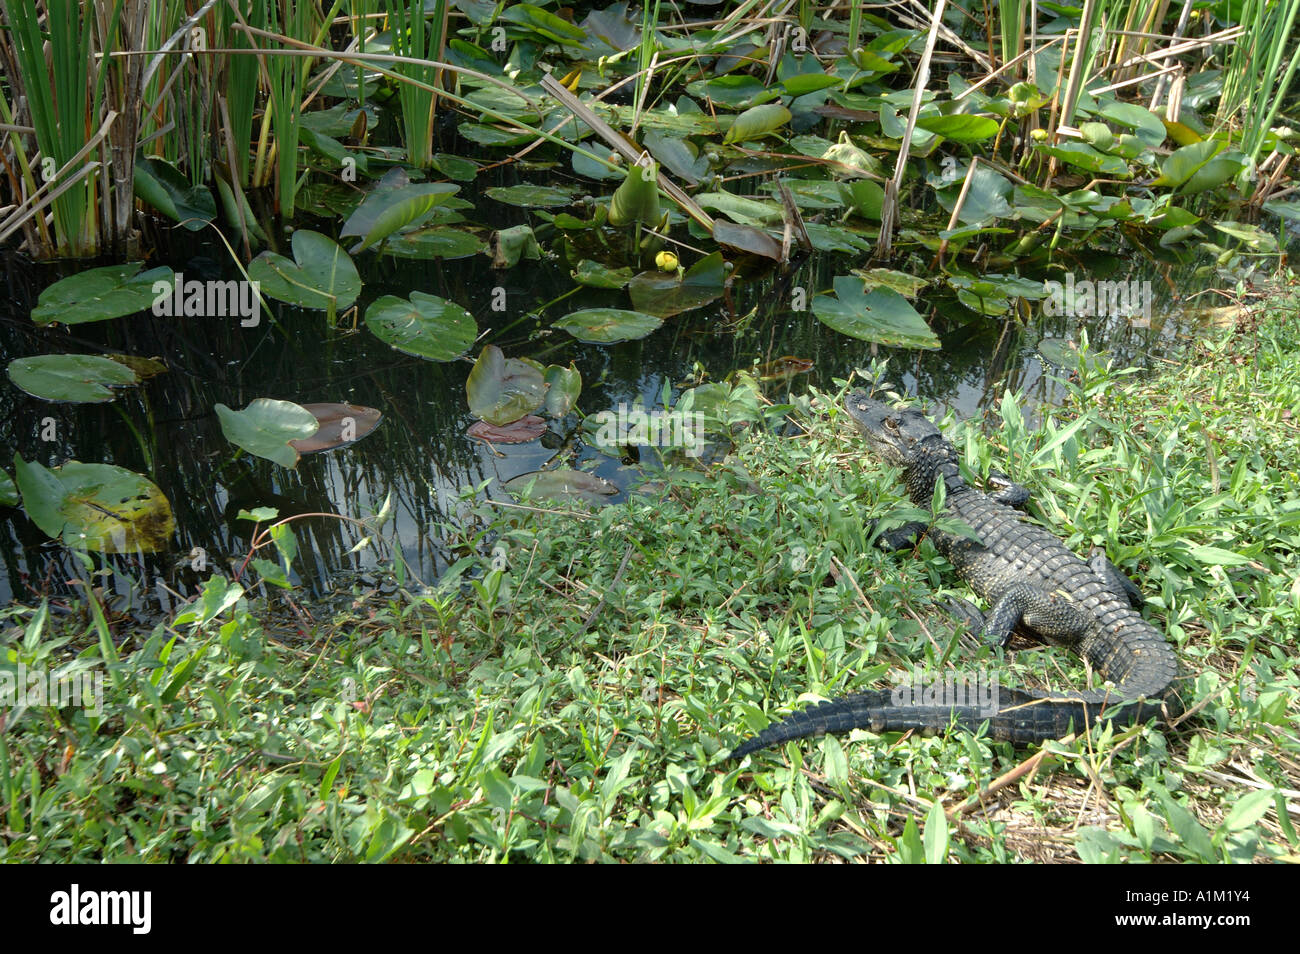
1049	614
1114	580
1005	490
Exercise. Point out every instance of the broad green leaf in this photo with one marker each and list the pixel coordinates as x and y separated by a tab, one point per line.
608	325
162	185
960	127
595	275
98	294
79	378
756	122
388	208
563	387
423	325
637	199
881	315
266	427
320	275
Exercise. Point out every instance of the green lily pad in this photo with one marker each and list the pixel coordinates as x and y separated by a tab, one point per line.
881	315
266	427
1197	167
1082	156
501	390
425	325
320	275
9	495
98	294
608	325
455	167
98	507
532	196
78	378
562	485
433	241
664	295
508	246
163	186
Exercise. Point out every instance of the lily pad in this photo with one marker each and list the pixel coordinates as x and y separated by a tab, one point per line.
77	378
425	325
608	325
9	495
532	196
501	390
266	427
508	246
909	286
881	315
527	428
98	294
746	238
340	425
663	295
562	485
320	275
433	241
98	507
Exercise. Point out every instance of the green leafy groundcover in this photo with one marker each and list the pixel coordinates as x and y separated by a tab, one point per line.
572	689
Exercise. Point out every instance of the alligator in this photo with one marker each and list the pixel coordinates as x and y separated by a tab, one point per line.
1033	585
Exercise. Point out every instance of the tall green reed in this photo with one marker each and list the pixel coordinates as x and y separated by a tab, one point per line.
418	38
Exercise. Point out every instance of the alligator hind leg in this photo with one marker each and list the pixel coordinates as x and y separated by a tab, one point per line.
1053	617
1115	581
1005	490
902	538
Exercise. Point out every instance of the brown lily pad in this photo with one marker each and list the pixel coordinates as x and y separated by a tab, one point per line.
527	428
340	424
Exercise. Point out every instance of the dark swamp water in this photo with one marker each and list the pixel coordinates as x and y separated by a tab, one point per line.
420	454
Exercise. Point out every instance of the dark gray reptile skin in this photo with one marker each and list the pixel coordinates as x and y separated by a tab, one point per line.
1028	577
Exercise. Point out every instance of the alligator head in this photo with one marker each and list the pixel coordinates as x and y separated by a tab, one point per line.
903	437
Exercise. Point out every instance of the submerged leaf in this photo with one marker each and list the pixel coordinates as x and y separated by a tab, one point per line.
340	425
563	485
527	428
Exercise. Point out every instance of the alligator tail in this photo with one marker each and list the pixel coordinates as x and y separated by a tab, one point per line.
1017	715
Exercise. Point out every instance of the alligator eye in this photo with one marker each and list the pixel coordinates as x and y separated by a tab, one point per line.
891	423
